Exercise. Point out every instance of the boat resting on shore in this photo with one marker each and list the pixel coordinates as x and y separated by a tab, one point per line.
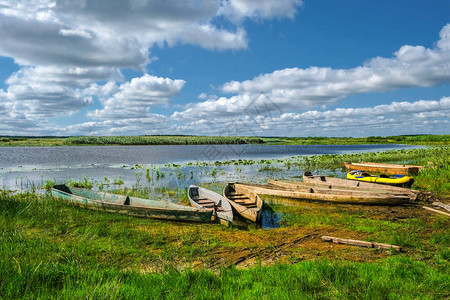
130	205
395	180
317	194
354	184
246	202
205	199
335	189
392	169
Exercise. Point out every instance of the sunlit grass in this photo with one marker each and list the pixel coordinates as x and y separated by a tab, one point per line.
50	249
197	140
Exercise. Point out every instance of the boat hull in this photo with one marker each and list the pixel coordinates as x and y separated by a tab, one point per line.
391	169
326	180
129	205
244	201
205	199
400	180
314	194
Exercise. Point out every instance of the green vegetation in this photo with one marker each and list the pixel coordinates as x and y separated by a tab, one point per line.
400	139
52	250
205	140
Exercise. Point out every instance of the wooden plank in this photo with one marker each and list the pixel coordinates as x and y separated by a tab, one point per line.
436	211
383	168
353	183
345	198
440	204
359	243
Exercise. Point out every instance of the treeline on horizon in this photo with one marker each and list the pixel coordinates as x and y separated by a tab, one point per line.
205	140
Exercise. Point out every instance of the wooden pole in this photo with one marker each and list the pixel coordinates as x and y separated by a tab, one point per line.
437	211
440	204
359	243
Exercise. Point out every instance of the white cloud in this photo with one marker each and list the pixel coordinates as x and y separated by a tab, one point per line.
133	99
67	49
424	116
151	124
42	92
237	10
301	89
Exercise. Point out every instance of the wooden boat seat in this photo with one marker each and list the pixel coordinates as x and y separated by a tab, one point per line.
206	203
208	206
247	204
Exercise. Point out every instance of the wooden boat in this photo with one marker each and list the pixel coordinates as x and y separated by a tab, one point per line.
333	189
314	194
206	199
391	169
130	205
326	180
395	180
247	203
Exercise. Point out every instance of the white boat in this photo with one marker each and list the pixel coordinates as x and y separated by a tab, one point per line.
205	199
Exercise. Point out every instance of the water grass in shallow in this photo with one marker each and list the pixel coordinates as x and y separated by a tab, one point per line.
197	140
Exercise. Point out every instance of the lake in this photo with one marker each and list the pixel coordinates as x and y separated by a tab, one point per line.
160	168
22	168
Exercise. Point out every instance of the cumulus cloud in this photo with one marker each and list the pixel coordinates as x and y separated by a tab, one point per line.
301	89
151	124
67	49
133	99
422	116
51	91
237	10
104	33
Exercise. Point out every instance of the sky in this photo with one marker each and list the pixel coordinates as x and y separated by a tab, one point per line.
350	68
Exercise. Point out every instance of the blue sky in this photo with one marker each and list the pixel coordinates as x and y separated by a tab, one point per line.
216	67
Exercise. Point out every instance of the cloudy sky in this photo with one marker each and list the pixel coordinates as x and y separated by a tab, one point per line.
224	67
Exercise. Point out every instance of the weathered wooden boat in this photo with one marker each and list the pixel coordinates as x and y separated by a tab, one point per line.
247	203
333	189
326	180
130	205
314	194
205	199
395	180
391	169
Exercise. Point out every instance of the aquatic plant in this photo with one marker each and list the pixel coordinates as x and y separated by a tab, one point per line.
86	183
118	181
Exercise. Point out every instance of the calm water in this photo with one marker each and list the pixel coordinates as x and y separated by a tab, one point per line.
25	168
22	167
55	157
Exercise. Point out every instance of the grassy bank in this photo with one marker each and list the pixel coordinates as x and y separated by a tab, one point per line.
206	140
51	250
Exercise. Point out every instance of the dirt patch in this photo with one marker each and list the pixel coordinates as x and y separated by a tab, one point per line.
300	239
287	245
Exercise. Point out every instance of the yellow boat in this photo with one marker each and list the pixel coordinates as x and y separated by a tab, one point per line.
397	180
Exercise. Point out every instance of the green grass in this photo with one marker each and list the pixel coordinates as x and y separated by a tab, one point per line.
204	140
401	139
52	250
396	278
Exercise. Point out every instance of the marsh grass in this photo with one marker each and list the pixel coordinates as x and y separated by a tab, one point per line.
198	140
52	250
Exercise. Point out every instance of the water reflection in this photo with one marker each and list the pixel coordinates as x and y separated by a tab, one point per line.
270	218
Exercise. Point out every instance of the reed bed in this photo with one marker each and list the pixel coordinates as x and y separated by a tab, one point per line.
202	140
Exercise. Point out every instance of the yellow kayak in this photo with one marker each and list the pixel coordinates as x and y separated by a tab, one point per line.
397	180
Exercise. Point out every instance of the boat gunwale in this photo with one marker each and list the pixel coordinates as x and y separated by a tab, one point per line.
226	215
251	213
116	207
